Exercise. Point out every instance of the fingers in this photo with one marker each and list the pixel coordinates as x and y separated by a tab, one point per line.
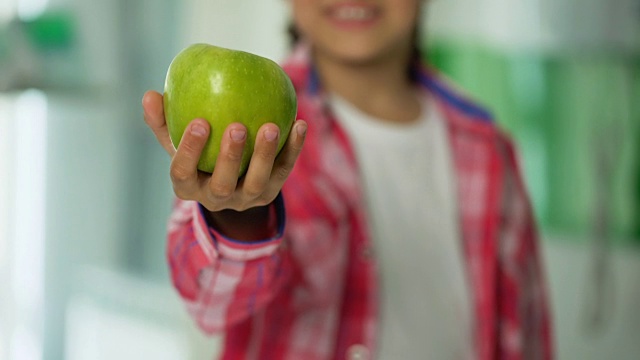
222	189
289	154
224	179
152	104
261	165
184	165
267	170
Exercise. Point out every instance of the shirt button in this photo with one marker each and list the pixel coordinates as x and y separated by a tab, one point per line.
358	352
367	253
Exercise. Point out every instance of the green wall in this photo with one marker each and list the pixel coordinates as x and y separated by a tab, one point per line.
576	122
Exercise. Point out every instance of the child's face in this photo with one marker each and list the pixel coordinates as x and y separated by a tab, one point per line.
357	31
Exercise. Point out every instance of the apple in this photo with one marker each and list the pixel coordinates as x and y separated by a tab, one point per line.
224	86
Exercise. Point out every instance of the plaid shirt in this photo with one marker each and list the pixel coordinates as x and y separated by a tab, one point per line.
311	291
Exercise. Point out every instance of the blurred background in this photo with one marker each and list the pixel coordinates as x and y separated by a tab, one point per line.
84	190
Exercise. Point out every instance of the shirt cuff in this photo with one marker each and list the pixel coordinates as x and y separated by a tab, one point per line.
216	244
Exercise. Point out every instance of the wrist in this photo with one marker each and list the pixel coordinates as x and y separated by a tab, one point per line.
250	225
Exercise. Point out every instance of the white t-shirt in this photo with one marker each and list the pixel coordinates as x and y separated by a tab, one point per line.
410	190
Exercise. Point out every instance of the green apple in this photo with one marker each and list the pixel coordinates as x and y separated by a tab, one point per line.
224	86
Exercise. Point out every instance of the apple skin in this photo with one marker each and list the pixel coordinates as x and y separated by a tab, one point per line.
224	86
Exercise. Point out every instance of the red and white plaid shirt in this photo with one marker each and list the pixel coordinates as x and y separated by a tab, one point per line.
311	291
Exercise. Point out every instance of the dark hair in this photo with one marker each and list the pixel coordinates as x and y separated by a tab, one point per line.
294	34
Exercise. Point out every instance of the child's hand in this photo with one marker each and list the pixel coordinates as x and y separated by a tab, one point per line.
223	190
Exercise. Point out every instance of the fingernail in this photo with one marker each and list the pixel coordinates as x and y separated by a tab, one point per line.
238	134
270	135
301	129
198	130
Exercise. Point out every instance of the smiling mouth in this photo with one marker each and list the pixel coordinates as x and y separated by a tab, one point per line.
353	13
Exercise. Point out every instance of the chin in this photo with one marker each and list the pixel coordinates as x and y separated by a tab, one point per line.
355	54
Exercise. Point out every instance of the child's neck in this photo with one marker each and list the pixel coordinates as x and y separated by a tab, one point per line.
381	89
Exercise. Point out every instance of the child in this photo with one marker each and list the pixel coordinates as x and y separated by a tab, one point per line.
408	232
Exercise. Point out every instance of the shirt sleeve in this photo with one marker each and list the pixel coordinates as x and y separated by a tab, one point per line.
525	322
221	280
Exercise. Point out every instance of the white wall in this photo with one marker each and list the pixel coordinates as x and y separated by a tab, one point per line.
255	26
572	287
552	25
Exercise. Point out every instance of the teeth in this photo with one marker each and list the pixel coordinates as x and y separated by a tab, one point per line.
354	13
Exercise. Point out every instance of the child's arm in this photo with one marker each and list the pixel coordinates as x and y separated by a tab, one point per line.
225	233
224	281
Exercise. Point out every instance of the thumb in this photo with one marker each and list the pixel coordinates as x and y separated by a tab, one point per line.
152	104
